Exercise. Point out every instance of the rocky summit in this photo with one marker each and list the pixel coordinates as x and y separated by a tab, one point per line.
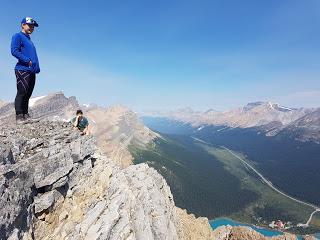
57	184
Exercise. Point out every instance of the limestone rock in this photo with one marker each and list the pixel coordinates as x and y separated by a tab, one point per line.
191	228
44	201
6	156
31	161
134	203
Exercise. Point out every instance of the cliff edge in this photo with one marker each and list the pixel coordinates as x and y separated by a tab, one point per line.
57	184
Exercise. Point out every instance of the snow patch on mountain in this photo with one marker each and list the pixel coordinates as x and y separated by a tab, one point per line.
33	101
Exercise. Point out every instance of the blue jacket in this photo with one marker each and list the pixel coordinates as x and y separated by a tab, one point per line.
23	49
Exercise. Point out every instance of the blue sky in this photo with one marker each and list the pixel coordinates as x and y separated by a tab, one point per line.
170	54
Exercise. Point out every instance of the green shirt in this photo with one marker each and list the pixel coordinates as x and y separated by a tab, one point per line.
82	124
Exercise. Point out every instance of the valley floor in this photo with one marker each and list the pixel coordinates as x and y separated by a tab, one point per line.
269	205
302	208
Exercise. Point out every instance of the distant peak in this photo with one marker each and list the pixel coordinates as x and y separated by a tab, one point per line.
254	104
211	110
269	105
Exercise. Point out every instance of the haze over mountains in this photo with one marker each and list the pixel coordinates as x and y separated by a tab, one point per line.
271	118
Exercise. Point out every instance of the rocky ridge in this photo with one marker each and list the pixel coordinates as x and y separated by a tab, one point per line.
55	184
54	106
114	127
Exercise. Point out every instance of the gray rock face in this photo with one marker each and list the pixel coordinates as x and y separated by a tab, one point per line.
113	203
44	201
55	185
139	205
35	158
53	107
306	128
6	156
16	193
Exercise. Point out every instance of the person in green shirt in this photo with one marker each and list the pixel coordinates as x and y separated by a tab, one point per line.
80	122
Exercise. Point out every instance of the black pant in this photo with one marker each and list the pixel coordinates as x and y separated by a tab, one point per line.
25	84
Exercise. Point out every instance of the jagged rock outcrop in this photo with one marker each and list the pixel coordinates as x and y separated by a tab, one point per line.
191	228
53	107
55	185
114	127
133	203
35	159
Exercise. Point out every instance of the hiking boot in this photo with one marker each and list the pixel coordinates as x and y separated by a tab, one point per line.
26	116
28	119
20	119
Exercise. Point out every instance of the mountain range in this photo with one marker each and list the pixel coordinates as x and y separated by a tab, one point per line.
270	118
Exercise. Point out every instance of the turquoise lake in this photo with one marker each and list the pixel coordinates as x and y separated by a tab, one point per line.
226	221
264	231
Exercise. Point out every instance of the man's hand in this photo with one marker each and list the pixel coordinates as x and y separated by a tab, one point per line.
30	63
75	124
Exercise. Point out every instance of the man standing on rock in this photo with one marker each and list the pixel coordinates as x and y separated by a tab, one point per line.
27	67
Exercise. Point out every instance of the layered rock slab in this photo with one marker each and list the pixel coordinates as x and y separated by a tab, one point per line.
56	185
134	203
34	158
